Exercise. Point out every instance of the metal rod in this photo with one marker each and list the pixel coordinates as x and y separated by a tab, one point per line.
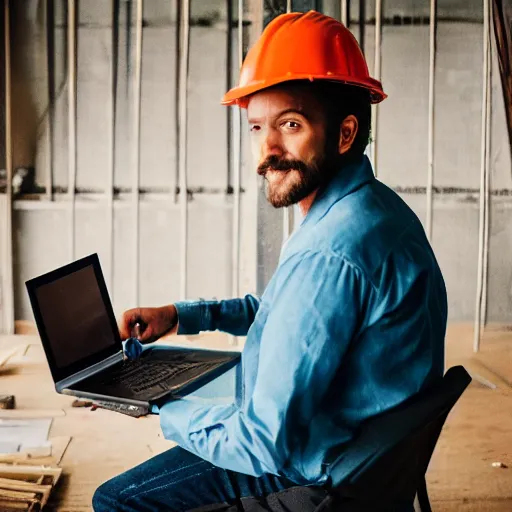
237	168
485	277
229	82
51	91
483	180
377	75
362	23
8	284
431	114
237	164
230	137
112	149
344	12
182	141
287	210
137	83
177	64
72	123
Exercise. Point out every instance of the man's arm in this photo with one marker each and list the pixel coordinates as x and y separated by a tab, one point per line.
234	316
313	318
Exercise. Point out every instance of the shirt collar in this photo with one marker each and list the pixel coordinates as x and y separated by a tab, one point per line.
347	180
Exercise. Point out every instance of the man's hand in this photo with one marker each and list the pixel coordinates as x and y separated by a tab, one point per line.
154	322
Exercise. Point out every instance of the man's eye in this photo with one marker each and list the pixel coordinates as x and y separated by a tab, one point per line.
292	125
255	128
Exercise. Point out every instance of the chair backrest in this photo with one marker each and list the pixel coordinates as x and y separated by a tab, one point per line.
389	457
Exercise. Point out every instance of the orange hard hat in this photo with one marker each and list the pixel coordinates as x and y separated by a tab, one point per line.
303	46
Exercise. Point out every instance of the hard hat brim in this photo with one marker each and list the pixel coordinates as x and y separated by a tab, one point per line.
238	95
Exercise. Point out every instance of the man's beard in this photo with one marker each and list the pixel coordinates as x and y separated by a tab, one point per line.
300	181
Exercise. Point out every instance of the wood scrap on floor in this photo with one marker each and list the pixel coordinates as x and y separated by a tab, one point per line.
82	403
42	491
28	459
7	402
26	487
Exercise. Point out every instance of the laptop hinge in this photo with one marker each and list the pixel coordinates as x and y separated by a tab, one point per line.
87	372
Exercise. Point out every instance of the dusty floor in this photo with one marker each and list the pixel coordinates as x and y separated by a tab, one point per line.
460	478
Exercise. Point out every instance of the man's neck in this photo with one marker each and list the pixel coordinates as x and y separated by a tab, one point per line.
306	204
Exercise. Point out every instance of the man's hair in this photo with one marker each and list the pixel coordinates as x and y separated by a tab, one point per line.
340	101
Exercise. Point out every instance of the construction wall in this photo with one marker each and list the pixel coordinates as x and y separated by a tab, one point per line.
41	227
41	235
402	135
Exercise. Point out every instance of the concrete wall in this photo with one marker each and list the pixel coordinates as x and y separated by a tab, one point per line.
41	228
402	154
41	232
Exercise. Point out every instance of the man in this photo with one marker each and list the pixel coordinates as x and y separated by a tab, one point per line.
351	324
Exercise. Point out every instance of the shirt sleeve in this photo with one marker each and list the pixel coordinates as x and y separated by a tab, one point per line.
234	316
315	311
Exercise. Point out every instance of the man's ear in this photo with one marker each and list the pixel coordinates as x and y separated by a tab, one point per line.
348	132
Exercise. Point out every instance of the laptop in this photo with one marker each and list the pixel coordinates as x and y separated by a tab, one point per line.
80	337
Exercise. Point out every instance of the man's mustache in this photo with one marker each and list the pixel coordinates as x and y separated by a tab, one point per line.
274	163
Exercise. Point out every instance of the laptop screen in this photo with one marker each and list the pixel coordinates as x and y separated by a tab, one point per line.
74	316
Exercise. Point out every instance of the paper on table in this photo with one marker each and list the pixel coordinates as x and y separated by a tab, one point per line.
25	435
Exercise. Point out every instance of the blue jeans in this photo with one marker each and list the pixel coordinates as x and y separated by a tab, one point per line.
178	481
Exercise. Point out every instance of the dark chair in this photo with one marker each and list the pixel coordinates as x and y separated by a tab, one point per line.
384	467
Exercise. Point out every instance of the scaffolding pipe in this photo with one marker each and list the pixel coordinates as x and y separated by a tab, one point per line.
51	90
8	284
177	64
112	150
72	123
344	14
377	76
288	5
485	279
483	179
362	23
137	89
431	114
237	164
182	141
229	81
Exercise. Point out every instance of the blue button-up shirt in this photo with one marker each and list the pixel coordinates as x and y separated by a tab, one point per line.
351	324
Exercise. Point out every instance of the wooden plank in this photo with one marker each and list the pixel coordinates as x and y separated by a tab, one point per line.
20	485
7	494
6	229
30	473
9	458
12	505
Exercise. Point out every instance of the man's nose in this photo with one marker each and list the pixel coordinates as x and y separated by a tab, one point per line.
271	145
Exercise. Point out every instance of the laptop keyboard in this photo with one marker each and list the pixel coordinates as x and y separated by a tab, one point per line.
140	376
